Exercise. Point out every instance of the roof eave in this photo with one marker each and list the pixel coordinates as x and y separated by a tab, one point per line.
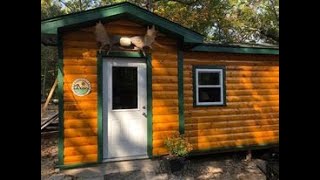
50	26
237	50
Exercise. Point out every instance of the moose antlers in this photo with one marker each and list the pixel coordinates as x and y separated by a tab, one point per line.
139	42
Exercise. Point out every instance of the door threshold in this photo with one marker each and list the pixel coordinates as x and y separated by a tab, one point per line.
125	158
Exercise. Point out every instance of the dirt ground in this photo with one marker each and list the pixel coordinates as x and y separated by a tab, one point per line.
219	166
49	155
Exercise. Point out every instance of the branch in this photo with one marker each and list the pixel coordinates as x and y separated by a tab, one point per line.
186	2
65	4
274	9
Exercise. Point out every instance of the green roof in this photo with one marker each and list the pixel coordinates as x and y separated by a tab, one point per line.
237	48
130	11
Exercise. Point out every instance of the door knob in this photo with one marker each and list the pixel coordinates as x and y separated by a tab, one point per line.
143	107
144	114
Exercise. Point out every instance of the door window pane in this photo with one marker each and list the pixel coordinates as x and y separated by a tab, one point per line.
124	88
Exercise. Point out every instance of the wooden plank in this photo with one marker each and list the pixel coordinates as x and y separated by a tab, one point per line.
164	72
80	141
165	79
254	104
229	62
165	95
164	57
80	159
75	106
159	151
162	134
162	64
165	118
216	112
223	124
70	97
227	56
252	98
255	92
251	74
164	87
233	117
165	110
79	53
124	22
226	130
165	126
80	123
165	102
92	70
88	61
79	36
80	150
80	44
80	114
80	132
253	68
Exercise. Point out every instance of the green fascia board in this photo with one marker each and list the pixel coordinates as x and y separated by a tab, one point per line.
238	50
50	26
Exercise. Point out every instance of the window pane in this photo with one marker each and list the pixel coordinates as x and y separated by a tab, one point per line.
208	78
209	95
124	88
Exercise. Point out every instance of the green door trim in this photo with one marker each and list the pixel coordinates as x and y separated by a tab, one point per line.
100	57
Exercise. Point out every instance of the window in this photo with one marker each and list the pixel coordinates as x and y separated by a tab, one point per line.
124	88
209	89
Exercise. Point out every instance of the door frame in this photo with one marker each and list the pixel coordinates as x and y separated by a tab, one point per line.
140	65
101	105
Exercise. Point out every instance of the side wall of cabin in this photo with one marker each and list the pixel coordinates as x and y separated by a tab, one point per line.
251	114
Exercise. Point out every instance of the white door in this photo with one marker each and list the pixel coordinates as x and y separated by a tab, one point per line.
126	108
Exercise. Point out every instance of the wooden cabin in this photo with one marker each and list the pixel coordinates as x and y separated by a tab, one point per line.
119	100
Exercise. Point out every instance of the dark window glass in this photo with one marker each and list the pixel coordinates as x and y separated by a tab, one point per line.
208	78
124	88
209	95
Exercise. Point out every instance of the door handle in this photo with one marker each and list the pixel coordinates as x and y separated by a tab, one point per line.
143	107
144	114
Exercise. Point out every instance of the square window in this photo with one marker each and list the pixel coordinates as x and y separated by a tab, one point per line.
209	89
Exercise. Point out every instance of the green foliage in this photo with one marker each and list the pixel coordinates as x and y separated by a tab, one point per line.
177	145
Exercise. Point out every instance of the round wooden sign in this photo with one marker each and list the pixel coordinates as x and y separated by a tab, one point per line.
81	87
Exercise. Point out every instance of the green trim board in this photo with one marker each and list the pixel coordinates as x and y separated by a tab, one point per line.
194	83
61	102
50	26
149	105
180	89
238	50
100	107
120	54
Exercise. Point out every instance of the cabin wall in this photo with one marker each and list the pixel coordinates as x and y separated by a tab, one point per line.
251	114
81	113
164	92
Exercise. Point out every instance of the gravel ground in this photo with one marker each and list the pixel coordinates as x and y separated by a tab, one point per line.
219	166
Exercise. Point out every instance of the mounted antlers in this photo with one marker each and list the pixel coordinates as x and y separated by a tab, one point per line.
139	42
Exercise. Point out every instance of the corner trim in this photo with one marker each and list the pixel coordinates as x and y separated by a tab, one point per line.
61	102
149	105
100	102
180	88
